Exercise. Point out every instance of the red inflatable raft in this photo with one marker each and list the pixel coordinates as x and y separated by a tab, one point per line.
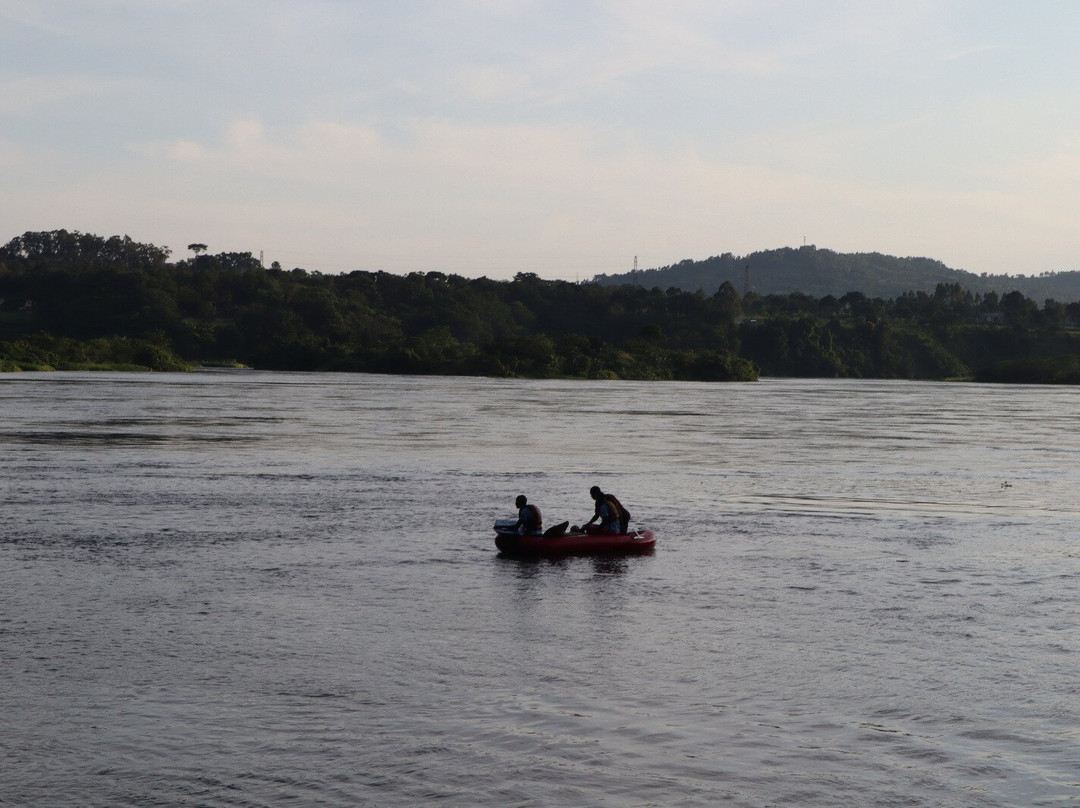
636	541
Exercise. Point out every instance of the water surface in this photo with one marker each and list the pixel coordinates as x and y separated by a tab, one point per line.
254	589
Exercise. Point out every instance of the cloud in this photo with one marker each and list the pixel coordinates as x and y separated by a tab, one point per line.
320	151
245	136
488	82
421	134
74	19
32	94
181	151
968	51
11	156
40	16
441	189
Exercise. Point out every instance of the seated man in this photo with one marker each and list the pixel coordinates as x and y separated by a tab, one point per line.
530	521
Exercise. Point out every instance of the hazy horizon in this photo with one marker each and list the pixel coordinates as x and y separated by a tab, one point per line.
561	138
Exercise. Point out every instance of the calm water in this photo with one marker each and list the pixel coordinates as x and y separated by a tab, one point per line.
245	589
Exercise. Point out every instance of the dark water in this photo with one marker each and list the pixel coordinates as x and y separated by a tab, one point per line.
242	589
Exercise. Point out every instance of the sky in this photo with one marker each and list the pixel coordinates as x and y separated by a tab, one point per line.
567	138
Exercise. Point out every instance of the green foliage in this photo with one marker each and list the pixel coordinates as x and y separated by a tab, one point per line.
43	351
73	300
820	272
1056	370
60	249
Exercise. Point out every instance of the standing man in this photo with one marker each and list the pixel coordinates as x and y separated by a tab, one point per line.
613	517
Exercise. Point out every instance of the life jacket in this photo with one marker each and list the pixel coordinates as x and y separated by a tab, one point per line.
614	512
623	513
537	521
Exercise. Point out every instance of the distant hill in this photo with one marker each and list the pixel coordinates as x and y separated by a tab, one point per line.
818	273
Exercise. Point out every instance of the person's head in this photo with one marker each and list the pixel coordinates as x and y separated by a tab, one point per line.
596	493
521	500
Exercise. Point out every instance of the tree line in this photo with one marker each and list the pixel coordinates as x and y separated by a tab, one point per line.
820	272
78	300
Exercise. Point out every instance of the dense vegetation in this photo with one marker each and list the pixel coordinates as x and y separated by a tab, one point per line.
818	273
77	288
71	300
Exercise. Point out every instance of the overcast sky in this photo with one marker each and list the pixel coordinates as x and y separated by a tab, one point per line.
562	137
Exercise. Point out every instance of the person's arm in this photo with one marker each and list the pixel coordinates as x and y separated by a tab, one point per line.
596	514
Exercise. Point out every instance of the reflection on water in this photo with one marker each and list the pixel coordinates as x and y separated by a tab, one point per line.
112	438
268	589
603	565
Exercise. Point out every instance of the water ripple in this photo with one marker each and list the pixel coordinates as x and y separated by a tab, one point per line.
273	589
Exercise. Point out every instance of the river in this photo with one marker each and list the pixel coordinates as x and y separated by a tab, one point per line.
269	589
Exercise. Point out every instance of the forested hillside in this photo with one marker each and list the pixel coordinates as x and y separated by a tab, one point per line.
72	300
823	272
